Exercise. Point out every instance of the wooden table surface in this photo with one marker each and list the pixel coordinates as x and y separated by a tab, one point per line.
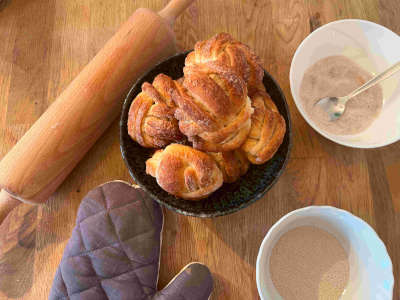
43	46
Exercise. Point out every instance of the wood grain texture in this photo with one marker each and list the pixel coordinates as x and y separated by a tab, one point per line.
45	43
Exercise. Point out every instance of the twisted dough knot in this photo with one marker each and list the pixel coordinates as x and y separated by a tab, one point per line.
267	125
151	120
214	111
267	129
185	172
233	164
224	51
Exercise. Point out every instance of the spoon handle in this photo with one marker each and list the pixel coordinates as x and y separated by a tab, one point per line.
378	78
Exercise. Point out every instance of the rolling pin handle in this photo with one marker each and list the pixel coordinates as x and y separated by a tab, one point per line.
7	204
173	9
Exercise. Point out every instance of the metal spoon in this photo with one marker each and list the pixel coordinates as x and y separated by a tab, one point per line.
335	106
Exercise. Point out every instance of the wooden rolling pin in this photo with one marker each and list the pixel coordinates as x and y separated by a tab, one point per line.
58	140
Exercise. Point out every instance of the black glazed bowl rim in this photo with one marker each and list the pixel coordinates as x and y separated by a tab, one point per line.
126	141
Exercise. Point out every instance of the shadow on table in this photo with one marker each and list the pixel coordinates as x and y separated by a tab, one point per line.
222	288
17	250
20	243
4	3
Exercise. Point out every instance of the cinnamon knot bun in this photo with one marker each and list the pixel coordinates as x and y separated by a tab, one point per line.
213	108
223	50
233	164
151	120
185	172
267	129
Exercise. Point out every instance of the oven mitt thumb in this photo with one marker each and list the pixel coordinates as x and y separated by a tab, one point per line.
114	252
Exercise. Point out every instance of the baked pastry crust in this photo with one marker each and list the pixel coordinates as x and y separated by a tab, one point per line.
213	108
223	50
233	164
185	172
267	129
151	120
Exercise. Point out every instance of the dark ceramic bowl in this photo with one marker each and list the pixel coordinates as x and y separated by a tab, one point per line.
230	197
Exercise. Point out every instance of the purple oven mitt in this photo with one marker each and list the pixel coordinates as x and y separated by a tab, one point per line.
114	252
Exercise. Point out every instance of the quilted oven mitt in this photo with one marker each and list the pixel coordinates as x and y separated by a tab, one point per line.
114	252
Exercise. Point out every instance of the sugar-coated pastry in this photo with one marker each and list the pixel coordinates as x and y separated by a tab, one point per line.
151	120
221	106
185	172
224	51
213	108
267	129
233	164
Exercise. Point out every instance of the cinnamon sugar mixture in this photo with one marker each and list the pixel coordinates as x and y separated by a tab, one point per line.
338	76
309	263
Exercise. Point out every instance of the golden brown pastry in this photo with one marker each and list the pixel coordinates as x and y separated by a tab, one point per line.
233	164
185	172
267	129
224	51
151	120
214	110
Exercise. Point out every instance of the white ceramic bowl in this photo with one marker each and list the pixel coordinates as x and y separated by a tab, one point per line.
372	46
371	275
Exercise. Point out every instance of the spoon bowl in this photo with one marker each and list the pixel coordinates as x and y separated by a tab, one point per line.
333	106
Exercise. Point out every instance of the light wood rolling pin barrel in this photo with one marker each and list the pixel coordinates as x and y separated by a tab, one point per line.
57	141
